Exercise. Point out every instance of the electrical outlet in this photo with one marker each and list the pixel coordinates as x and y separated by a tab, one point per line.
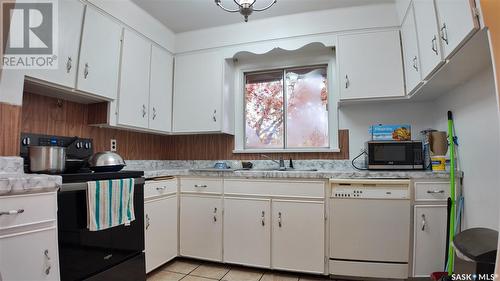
113	145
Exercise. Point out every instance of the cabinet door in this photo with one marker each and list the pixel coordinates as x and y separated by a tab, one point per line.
160	91
457	23
370	65
70	28
99	55
247	231
161	231
429	40
411	55
201	227
198	92
298	236
133	100
430	236
30	256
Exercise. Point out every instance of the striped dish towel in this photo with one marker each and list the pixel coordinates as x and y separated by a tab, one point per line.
109	203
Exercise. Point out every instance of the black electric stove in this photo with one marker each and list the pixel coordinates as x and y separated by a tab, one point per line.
106	255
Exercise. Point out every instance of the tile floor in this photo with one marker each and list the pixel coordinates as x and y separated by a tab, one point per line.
193	270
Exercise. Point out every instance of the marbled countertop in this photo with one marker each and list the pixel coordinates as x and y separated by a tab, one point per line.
326	169
14	181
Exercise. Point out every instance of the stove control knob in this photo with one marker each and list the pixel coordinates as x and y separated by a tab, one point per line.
88	145
26	141
78	145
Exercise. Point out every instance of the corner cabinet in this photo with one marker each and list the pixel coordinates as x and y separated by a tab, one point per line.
202	102
370	65
99	55
160	90
411	55
457	22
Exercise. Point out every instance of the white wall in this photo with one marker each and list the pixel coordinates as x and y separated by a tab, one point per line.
305	24
358	117
475	112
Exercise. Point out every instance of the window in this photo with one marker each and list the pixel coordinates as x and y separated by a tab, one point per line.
287	108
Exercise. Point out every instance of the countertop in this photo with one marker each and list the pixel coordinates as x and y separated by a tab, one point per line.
14	181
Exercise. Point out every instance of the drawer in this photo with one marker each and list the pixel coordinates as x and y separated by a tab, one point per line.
32	208
201	185
161	187
432	191
279	188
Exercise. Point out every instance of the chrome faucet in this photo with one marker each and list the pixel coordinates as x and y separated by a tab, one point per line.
281	162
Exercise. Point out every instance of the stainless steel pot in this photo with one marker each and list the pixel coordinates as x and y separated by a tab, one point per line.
106	161
47	159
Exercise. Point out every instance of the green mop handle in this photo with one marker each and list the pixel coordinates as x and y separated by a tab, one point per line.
451	252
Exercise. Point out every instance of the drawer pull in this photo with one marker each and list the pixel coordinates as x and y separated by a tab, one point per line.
12	212
200	185
435	191
160	188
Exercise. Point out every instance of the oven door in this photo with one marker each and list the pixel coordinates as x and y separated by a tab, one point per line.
390	155
84	253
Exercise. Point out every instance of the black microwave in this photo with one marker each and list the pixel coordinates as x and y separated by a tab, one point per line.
395	155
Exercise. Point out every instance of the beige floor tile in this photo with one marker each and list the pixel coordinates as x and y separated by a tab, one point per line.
316	278
181	266
272	276
243	274
211	270
163	275
195	278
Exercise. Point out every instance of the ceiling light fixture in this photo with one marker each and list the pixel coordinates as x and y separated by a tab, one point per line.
245	7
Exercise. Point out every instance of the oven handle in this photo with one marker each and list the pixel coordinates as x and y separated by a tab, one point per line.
66	187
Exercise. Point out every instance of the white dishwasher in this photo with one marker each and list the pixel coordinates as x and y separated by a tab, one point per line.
370	228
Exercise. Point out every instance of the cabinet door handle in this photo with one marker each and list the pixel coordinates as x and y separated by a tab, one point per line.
48	264
444	33
11	212
435	191
154	113
347	82
424	222
279	219
200	185
214	116
148	221
263	218
161	188
69	64
86	71
215	214
415	62
434	45
143	110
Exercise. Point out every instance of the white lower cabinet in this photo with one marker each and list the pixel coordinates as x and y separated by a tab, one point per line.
201	227
298	236
429	239
161	231
247	231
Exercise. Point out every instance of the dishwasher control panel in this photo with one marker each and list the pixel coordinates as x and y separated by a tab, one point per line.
371	190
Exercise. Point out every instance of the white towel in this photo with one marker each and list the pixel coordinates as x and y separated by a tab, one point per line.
109	203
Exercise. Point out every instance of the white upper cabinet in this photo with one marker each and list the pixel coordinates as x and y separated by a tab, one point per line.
370	65
411	55
70	27
99	55
160	90
199	103
457	22
133	102
429	40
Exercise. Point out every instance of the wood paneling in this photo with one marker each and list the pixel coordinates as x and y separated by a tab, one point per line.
491	15
45	115
10	129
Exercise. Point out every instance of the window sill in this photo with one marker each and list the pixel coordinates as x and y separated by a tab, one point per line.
305	150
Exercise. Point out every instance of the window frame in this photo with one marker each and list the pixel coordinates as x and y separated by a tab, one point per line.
242	67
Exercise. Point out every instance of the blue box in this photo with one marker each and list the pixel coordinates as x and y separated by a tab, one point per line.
395	132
